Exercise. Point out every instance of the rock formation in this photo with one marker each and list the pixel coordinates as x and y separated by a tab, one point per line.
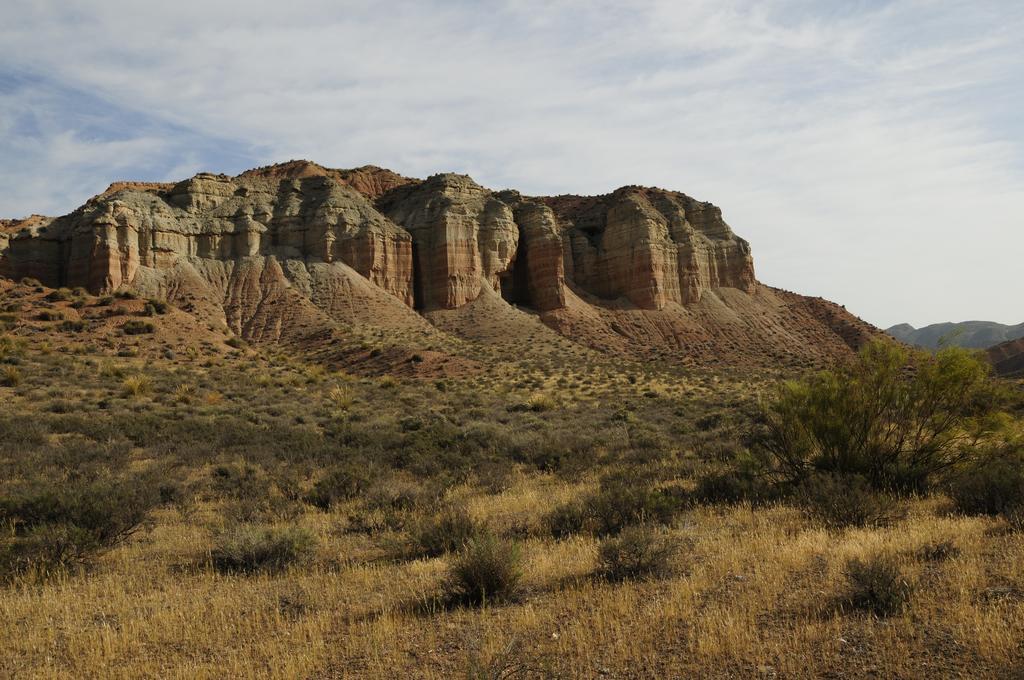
638	270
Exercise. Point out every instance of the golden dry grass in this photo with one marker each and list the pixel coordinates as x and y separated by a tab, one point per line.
754	591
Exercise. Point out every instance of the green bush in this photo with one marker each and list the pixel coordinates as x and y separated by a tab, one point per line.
877	585
897	417
638	552
486	570
991	486
843	500
249	548
446	531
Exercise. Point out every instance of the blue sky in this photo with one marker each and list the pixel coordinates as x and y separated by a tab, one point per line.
872	152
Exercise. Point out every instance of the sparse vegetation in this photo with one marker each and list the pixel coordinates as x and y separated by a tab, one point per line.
877	585
638	552
191	510
487	570
249	548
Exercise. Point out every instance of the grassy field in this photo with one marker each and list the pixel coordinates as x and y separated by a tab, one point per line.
293	521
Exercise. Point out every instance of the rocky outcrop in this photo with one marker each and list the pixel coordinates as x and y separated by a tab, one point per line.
651	247
1008	358
635	270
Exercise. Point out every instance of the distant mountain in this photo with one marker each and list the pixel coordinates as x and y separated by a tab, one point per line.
970	334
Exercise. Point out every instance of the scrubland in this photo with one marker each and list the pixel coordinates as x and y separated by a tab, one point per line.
224	510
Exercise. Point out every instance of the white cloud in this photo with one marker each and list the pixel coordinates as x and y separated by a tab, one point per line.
862	147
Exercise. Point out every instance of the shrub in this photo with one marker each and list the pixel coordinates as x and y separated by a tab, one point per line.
638	552
838	500
249	548
58	524
877	585
566	520
136	327
154	306
235	342
72	326
990	487
622	502
540	402
341	397
10	377
50	315
59	295
342	483
446	531
136	385
732	486
894	415
487	569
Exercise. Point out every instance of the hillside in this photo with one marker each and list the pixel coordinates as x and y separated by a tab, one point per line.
1008	358
297	254
969	334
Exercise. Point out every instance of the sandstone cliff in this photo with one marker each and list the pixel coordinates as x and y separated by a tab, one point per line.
641	271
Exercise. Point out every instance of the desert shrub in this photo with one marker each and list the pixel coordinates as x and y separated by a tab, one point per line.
893	415
842	500
10	377
937	551
991	486
105	301
567	519
59	295
341	397
72	326
50	315
136	385
445	531
154	306
248	548
487	569
622	501
638	552
235	342
55	524
733	486
29	281
877	585
340	484
136	327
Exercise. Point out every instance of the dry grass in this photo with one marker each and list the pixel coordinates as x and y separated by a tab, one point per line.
753	590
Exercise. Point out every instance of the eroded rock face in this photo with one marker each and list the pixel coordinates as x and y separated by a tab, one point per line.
463	237
651	247
368	246
311	218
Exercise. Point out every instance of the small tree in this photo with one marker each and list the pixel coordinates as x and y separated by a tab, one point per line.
893	415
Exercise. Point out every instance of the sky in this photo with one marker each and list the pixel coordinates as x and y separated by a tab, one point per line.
872	152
